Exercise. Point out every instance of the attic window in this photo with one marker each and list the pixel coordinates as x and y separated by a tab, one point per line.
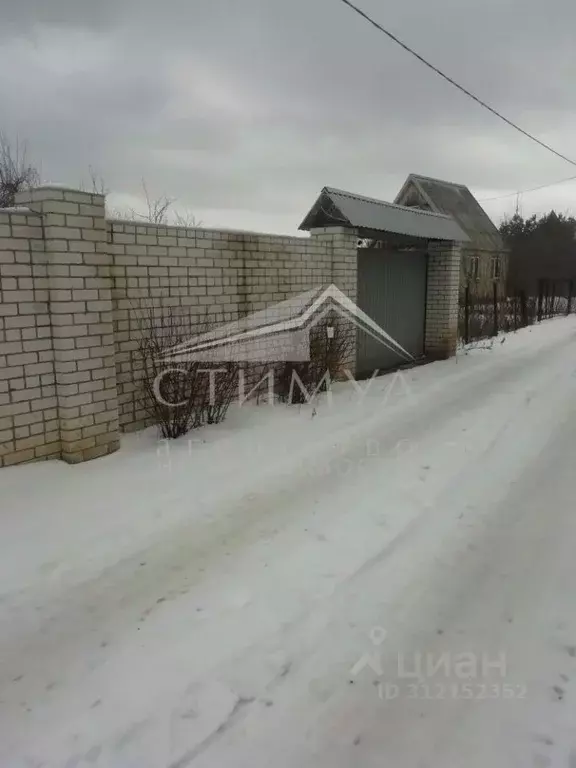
416	203
412	199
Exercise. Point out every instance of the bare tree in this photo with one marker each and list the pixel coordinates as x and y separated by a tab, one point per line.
186	219
157	207
98	184
16	171
157	210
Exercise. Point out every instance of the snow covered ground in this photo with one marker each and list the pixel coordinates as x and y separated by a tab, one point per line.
385	581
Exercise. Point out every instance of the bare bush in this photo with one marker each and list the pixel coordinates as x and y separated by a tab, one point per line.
331	348
16	171
183	395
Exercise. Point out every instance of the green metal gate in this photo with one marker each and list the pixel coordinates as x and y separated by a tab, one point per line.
392	291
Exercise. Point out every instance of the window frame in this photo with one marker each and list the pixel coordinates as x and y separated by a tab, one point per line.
474	268
496	268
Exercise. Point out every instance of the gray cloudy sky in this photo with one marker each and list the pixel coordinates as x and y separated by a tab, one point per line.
244	109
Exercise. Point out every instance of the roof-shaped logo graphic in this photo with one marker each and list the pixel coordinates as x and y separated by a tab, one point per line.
281	332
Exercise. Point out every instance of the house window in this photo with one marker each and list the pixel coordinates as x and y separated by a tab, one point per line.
496	271
474	268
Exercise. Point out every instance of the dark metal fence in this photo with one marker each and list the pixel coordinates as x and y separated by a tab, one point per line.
484	316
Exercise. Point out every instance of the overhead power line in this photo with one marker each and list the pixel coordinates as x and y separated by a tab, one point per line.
468	93
526	191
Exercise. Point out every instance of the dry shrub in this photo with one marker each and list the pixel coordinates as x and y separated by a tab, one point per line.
332	344
185	394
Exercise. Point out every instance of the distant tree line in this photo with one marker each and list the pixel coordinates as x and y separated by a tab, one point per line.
541	248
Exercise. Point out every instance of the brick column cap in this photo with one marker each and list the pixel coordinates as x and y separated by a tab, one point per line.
56	192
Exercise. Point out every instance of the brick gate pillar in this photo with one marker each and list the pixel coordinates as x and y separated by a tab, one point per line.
80	307
442	299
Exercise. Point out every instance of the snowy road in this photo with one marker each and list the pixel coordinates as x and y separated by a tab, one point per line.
266	597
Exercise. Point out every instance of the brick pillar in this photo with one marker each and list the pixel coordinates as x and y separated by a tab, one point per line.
343	243
442	299
80	306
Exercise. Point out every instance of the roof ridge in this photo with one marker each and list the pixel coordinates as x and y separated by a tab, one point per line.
417	176
356	196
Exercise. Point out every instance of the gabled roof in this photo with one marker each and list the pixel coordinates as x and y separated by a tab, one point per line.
335	208
457	201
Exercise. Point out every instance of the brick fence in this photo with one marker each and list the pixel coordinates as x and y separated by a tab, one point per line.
69	283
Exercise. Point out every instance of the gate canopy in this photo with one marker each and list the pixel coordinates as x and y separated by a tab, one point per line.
376	218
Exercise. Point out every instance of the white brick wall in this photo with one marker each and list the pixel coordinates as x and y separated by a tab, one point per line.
218	276
73	288
28	413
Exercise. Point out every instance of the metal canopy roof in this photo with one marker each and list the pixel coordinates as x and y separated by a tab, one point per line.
336	208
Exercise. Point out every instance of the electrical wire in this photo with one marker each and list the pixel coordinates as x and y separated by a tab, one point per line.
468	93
526	191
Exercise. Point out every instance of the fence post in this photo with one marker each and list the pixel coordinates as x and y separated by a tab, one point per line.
467	314
77	254
570	291
523	309
515	310
540	299
495	290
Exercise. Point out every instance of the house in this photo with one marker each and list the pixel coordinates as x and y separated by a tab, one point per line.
485	257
